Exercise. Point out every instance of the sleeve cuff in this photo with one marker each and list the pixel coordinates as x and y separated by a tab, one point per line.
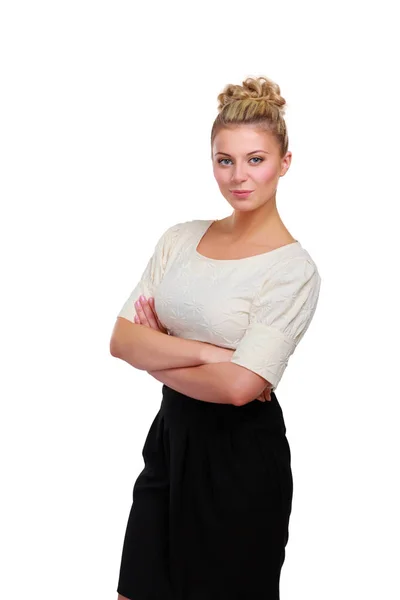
264	350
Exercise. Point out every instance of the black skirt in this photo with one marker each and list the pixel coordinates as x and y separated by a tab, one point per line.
211	508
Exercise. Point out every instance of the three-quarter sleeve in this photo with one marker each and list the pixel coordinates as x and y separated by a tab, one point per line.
153	272
280	315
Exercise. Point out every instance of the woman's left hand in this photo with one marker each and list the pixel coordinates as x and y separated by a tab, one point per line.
265	395
146	314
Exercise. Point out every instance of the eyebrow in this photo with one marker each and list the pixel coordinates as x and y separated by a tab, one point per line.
248	154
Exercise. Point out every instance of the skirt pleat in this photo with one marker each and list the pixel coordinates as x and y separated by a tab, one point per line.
211	508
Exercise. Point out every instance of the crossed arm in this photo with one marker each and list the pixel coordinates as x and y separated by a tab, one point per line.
197	369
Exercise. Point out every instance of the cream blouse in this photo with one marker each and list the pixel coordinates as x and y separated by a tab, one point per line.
260	306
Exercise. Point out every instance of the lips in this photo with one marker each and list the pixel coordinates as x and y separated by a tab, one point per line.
241	193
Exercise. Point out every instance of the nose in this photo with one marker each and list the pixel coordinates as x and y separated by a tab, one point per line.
239	174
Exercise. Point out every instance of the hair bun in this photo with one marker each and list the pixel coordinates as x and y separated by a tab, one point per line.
259	89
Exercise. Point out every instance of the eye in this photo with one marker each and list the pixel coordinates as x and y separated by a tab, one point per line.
258	158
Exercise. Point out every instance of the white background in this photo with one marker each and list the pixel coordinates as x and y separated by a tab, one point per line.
106	113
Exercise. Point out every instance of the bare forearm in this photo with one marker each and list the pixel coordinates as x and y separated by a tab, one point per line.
209	382
148	349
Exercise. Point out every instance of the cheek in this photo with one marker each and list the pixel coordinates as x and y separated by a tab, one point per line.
221	176
264	174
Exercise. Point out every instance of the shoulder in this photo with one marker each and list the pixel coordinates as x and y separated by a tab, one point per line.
183	230
289	294
172	239
297	263
292	278
183	227
171	234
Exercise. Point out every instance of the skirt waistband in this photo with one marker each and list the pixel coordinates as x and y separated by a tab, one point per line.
268	415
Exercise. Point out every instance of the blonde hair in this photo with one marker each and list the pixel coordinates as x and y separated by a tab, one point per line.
257	101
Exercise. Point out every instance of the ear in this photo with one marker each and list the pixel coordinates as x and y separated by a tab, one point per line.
285	163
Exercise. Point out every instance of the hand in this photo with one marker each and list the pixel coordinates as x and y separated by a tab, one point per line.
265	394
216	354
146	314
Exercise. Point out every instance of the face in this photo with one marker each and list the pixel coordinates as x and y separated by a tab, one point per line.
245	158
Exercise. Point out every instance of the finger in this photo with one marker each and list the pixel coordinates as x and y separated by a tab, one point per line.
146	316
151	314
141	314
139	321
153	308
148	312
140	317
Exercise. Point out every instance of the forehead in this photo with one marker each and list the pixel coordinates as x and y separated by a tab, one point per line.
243	139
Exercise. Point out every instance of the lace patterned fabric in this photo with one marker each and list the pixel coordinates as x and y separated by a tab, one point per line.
260	306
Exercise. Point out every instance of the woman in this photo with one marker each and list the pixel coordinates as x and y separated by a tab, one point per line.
220	308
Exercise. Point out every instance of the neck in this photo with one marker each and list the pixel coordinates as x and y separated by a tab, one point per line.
264	220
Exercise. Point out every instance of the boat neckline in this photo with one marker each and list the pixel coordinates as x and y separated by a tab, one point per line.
209	222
